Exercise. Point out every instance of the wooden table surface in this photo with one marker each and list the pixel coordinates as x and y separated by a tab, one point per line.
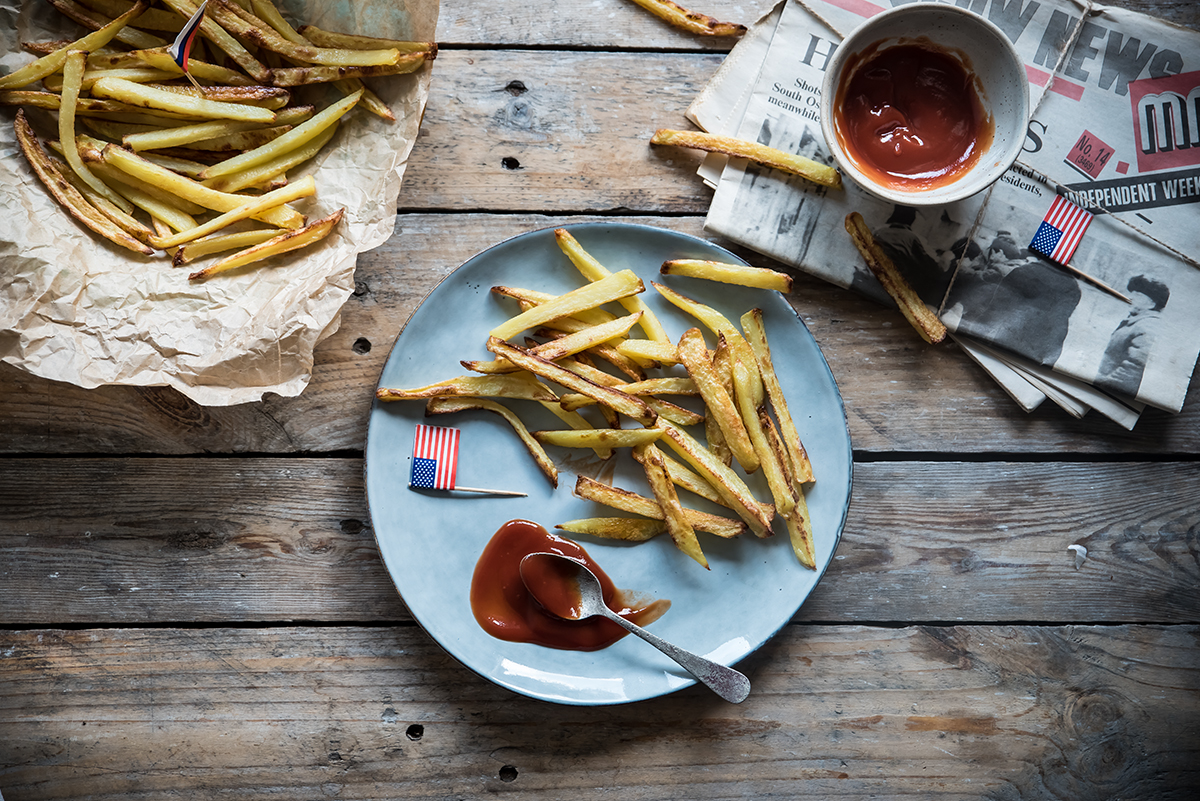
192	604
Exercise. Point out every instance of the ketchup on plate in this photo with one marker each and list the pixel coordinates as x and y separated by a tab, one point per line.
910	116
506	609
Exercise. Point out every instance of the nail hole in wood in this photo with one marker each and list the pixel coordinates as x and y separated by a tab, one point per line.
515	88
362	345
415	731
510	163
508	773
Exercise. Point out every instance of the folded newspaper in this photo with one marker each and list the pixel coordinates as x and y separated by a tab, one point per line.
1114	129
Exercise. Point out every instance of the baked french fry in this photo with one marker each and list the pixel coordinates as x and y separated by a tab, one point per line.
649	350
250	28
89	19
325	73
305	187
627	529
798	521
749	397
694	356
712	319
618	285
568	345
53	62
626	501
740	148
681	531
911	306
221	242
598	437
688	480
531	297
73	68
739	274
136	94
252	176
756	338
690	21
286	242
519	386
66	194
676	414
223	40
448	405
352	41
651	386
202	70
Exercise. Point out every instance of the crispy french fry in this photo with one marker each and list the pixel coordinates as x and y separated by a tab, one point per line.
253	176
798	521
286	242
531	297
161	60
355	42
628	529
651	386
628	405
739	274
219	243
294	138
618	285
712	319
67	195
305	187
518	386
756	338
683	477
250	28
151	97
127	222
761	154
324	73
598	437
728	484
593	270
447	405
690	21
579	423
152	19
127	34
681	531
676	414
51	63
568	345
591	490
649	350
911	306
749	398
694	356
269	97
223	40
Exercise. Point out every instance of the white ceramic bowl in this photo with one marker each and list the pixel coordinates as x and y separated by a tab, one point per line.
986	53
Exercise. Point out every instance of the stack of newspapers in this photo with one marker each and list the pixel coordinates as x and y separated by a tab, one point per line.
1114	128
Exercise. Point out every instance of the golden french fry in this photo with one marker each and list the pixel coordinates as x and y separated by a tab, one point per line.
52	63
447	405
798	521
149	200
136	94
223	40
250	28
593	270
911	306
626	501
131	74
712	319
728	484
323	73
152	19
628	529
756	338
694	356
519	386
598	437
676	414
568	345
577	422
627	405
67	195
253	176
616	286
294	138
531	297
355	42
219	243
651	386
761	154
305	187
681	531
690	21
749	395
284	243
684	477
127	34
127	222
202	70
269	97
649	350
739	274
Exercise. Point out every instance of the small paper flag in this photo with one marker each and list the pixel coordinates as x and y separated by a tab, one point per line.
1061	230
182	46
435	458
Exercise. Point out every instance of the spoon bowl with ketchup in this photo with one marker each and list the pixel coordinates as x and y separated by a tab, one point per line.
925	104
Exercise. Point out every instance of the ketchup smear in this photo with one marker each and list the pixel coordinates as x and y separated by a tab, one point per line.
910	116
507	610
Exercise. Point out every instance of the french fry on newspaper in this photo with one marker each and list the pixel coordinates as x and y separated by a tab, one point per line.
626	501
681	531
449	405
761	154
725	273
690	21
628	529
914	309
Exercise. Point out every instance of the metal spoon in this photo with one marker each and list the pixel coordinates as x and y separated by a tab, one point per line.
724	681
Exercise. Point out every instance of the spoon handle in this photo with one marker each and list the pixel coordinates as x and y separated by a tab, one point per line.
724	681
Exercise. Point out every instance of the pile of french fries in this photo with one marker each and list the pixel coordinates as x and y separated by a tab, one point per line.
153	162
746	419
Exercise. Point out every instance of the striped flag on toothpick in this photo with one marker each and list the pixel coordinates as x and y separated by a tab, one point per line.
181	48
1059	235
435	462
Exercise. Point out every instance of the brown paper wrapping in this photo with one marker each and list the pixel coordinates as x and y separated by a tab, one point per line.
75	308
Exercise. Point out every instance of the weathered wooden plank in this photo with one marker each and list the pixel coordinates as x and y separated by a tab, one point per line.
129	541
900	395
1013	712
619	24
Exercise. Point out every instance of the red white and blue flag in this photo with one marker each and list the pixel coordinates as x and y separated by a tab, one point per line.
1061	230
182	46
435	458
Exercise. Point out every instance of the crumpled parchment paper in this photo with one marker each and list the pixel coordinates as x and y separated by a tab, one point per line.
76	308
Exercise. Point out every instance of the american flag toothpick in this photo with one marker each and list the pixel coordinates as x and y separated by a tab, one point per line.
1059	235
435	462
181	48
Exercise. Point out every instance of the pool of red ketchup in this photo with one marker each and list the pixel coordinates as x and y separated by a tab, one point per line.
505	608
911	116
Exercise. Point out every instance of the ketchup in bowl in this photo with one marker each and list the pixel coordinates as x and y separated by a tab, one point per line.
910	116
505	608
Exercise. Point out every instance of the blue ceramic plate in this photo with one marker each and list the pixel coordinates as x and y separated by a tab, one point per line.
431	541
